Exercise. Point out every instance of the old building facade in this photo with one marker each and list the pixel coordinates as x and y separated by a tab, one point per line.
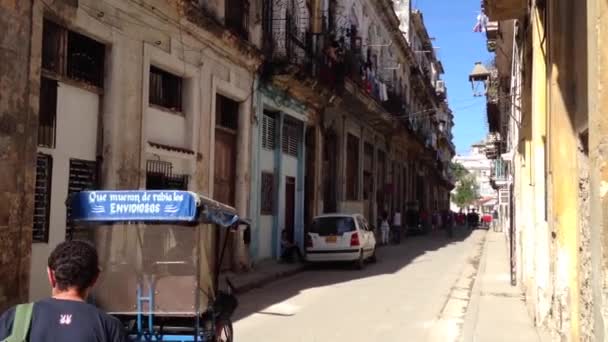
545	105
135	95
284	109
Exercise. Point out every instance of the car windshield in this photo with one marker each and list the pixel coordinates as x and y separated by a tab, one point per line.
332	225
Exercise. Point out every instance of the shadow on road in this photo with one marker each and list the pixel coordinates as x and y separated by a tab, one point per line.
391	259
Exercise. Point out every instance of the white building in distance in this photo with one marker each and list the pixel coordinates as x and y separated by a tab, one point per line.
478	164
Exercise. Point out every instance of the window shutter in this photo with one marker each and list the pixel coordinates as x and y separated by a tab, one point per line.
290	138
268	132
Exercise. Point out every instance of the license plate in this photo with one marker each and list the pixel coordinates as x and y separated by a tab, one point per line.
331	239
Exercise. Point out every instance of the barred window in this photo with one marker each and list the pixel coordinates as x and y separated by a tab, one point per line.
82	177
72	55
160	176
268	132
267	193
42	198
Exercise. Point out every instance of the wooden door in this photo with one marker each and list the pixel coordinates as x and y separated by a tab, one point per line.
224	187
290	206
225	166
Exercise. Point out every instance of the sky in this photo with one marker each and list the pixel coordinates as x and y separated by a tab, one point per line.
451	23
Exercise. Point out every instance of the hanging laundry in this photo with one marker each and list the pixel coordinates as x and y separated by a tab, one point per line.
482	23
384	93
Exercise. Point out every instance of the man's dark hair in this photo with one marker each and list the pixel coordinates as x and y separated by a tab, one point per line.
75	264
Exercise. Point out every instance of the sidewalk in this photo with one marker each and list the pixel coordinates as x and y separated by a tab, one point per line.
497	311
261	274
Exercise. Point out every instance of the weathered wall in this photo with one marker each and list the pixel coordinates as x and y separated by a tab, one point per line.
597	26
18	129
77	127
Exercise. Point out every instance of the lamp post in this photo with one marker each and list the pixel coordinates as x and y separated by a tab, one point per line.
479	77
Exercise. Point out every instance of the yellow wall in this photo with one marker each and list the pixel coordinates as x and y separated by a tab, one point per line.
547	171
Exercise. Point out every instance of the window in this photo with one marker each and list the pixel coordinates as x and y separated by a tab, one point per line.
42	198
72	55
352	168
160	176
267	207
165	89
226	113
291	137
268	132
82	177
237	17
326	226
47	115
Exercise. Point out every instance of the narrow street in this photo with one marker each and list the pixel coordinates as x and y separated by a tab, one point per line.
417	291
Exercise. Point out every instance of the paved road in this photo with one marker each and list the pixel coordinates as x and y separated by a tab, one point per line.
418	291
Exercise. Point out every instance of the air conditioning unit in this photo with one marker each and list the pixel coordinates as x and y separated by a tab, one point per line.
440	87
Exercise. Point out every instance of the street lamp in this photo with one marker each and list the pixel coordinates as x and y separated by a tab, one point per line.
479	77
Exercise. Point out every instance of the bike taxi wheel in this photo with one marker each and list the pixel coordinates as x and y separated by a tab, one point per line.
224	331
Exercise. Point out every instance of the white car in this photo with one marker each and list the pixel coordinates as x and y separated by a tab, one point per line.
340	237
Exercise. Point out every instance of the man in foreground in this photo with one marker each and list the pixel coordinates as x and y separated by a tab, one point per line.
72	271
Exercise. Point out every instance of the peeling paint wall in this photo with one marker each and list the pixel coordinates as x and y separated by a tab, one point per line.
18	135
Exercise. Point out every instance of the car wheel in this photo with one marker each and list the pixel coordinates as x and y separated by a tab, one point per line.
373	258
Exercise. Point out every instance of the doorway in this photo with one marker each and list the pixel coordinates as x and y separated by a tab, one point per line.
224	179
330	167
290	207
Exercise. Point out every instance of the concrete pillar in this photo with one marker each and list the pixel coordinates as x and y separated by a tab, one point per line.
361	163
318	193
278	184
374	196
256	182
18	138
242	186
300	191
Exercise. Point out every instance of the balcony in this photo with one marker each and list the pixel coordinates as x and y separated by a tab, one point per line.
441	90
492	102
492	35
499	175
498	10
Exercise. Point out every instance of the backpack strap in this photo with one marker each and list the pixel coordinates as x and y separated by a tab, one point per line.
21	323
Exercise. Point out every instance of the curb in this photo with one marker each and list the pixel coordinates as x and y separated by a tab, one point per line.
265	280
470	319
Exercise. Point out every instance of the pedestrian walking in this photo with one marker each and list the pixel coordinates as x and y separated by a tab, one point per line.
385	229
397	226
72	271
495	224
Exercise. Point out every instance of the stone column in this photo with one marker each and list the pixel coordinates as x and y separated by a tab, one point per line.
242	186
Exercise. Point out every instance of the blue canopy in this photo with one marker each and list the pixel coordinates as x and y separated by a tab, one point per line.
149	206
